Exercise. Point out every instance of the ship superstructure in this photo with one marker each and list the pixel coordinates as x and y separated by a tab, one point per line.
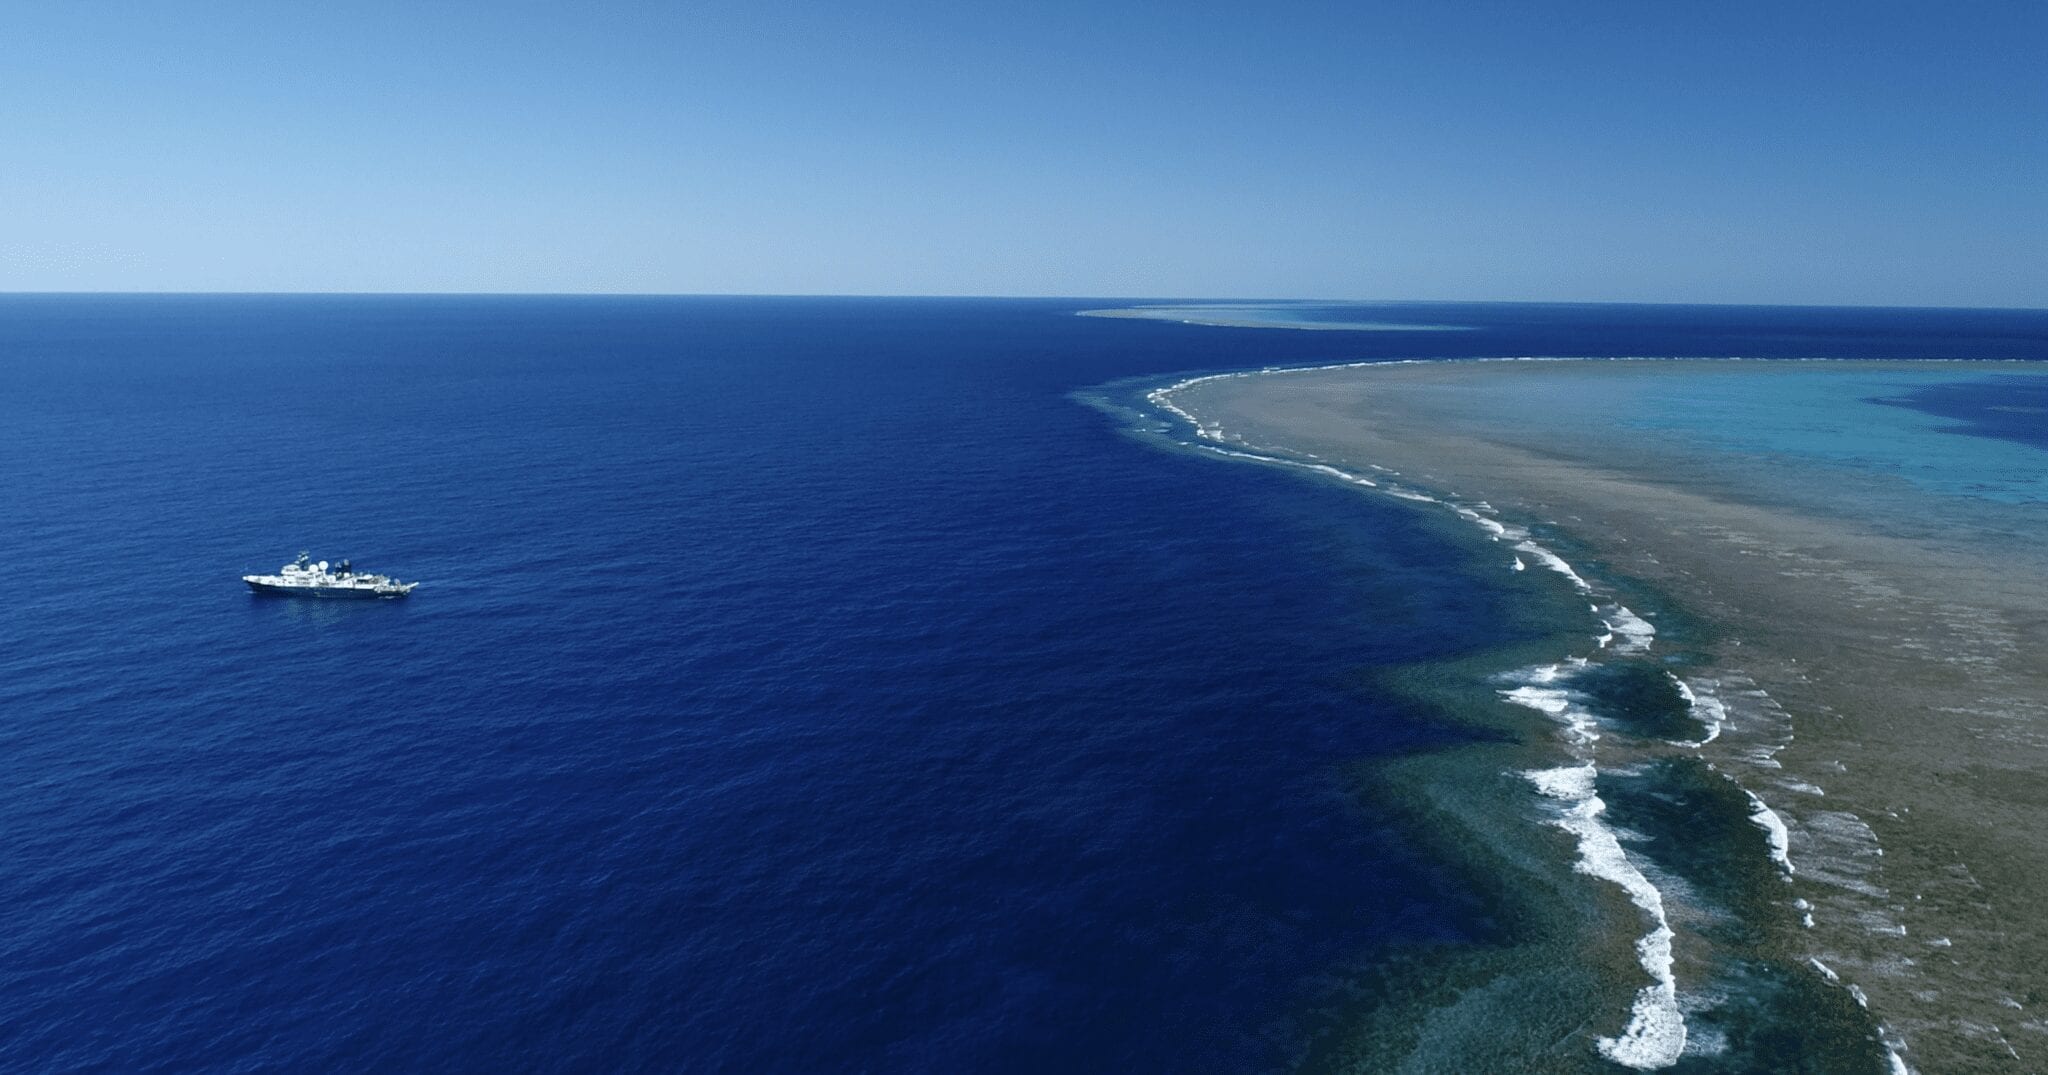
305	578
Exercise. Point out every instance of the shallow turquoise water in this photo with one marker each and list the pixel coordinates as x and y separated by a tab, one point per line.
1821	413
1852	441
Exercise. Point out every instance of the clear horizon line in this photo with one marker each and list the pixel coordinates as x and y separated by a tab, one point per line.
1110	299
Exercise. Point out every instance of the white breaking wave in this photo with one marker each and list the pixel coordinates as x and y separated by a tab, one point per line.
1581	727
1493	527
1767	819
1705	708
1555	563
1634	632
1344	475
1655	1035
1543	699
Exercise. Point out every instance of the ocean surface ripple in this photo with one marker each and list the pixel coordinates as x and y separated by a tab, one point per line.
794	684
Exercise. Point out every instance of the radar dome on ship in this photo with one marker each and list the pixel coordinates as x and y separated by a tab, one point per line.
305	578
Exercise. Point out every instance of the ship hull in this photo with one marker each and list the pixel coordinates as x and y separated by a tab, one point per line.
344	593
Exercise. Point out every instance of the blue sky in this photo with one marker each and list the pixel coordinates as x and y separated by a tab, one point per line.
1733	152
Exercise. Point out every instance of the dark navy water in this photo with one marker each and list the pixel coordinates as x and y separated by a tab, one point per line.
794	684
2007	408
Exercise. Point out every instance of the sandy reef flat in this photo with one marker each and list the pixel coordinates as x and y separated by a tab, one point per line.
1883	665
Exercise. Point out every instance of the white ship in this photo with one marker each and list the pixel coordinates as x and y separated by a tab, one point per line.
304	578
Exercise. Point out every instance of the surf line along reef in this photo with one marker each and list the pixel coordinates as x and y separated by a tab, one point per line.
1858	691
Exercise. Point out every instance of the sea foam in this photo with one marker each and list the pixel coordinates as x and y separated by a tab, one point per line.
1705	708
1538	691
1555	563
1767	819
1632	633
1655	1035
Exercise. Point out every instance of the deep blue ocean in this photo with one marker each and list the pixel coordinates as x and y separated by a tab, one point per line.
793	684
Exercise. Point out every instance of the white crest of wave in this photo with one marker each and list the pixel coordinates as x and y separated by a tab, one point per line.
1655	1035
1555	563
1581	727
1709	710
1767	819
1548	700
1633	631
